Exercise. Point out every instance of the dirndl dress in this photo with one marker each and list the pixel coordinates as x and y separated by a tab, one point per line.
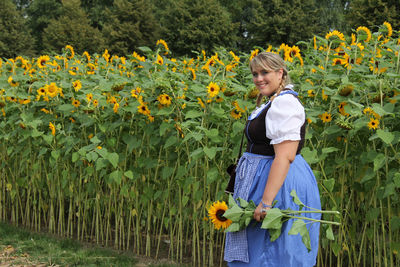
252	246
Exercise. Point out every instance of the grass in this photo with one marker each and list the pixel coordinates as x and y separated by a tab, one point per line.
20	247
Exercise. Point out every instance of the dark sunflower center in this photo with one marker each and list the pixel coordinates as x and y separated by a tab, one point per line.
220	215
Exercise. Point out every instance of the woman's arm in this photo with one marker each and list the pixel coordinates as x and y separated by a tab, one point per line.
285	153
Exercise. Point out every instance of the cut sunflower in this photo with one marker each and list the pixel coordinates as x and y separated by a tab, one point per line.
216	215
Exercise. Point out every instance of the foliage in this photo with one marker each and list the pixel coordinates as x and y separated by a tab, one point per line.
196	25
39	15
129	151
72	27
15	38
373	13
241	214
129	25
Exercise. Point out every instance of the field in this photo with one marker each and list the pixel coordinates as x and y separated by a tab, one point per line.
130	152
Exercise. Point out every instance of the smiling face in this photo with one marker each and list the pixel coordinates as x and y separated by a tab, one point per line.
267	81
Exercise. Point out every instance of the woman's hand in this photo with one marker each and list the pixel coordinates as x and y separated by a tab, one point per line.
260	212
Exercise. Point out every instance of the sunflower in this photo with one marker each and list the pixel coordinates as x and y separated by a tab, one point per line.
135	92
41	62
326	117
86	54
70	51
193	73
45	110
116	107
160	60
336	33
235	58
236	114
164	99
364	32
95	103
324	96
52	128
52	90
12	82
106	55
201	103
89	97
310	93
373	124
76	103
254	53
216	215
142	108
91	68
388	30
237	107
342	110
212	89
77	85
164	44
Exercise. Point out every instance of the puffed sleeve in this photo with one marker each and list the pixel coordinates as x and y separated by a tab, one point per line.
284	119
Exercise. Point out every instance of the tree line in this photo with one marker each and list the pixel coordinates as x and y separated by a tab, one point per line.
35	27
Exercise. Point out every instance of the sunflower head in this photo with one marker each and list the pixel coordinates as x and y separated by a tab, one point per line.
216	215
373	124
363	34
213	89
387	29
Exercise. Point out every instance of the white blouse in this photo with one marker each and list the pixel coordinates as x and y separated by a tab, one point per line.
284	119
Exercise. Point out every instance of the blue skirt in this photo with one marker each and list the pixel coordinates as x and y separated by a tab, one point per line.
252	246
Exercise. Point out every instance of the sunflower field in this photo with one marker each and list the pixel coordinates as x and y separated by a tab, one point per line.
131	151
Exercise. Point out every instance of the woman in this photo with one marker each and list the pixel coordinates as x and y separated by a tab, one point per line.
270	169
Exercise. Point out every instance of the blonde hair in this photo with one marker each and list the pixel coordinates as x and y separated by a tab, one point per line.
270	62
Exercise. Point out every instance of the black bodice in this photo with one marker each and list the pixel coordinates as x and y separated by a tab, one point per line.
258	142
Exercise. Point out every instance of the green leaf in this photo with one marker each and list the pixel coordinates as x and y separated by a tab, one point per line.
395	223
310	155
116	176
396	180
386	137
274	234
212	175
75	156
390	189
329	233
191	114
300	227
210	152
129	174
379	161
234	213
113	158
66	107
327	150
234	227
243	203
55	154
172	140
296	198
329	184
273	219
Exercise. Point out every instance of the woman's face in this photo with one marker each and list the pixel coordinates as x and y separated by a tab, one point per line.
267	82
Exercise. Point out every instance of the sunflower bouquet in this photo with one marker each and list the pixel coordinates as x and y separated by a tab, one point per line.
239	215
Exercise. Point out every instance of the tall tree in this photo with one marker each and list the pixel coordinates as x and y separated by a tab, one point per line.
39	13
15	38
72	28
372	13
194	25
130	24
95	10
